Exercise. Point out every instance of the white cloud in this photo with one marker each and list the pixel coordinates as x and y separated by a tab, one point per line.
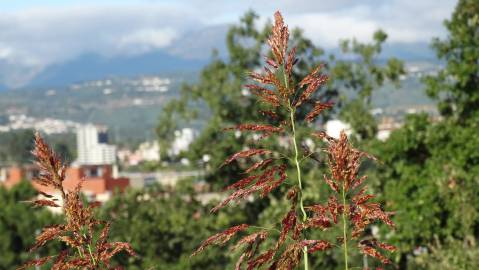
59	34
33	38
404	20
5	52
147	39
326	30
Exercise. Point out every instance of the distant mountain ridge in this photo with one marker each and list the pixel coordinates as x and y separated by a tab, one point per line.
93	66
189	52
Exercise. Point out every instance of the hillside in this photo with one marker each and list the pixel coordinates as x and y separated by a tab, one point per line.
130	106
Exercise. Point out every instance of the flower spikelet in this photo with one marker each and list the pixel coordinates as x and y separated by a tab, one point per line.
81	252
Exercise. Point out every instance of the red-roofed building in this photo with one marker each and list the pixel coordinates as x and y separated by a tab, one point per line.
98	180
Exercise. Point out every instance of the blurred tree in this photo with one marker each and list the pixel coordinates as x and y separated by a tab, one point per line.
220	90
64	151
358	73
19	224
64	145
15	146
456	86
452	254
165	227
430	171
353	78
429	174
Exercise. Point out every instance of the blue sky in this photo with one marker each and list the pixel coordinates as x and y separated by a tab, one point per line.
35	34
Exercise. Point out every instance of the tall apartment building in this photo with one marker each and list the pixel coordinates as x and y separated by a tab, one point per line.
93	147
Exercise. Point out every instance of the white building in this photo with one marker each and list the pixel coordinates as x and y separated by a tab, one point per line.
149	151
334	128
183	139
93	147
3	174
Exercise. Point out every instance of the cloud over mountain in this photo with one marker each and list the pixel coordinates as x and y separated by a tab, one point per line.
34	37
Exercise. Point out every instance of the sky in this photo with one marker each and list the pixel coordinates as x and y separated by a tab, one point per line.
36	34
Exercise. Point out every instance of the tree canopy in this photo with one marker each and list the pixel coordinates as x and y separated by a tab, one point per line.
456	86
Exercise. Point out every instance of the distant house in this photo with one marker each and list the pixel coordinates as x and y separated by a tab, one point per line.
98	180
386	126
146	152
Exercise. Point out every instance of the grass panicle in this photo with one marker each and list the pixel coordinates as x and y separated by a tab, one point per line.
85	238
348	207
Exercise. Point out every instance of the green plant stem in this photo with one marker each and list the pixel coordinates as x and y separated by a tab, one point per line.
91	255
345	237
80	253
89	251
298	169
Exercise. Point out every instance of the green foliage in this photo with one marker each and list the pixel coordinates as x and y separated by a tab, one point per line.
429	173
19	224
15	146
164	227
362	76
64	145
363	73
453	254
456	86
358	116
220	90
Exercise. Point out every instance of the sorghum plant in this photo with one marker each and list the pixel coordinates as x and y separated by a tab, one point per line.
85	238
349	200
285	97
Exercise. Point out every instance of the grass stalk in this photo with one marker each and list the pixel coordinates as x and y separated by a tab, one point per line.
345	236
300	186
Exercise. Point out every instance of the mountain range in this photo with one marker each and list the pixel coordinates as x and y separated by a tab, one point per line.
189	52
